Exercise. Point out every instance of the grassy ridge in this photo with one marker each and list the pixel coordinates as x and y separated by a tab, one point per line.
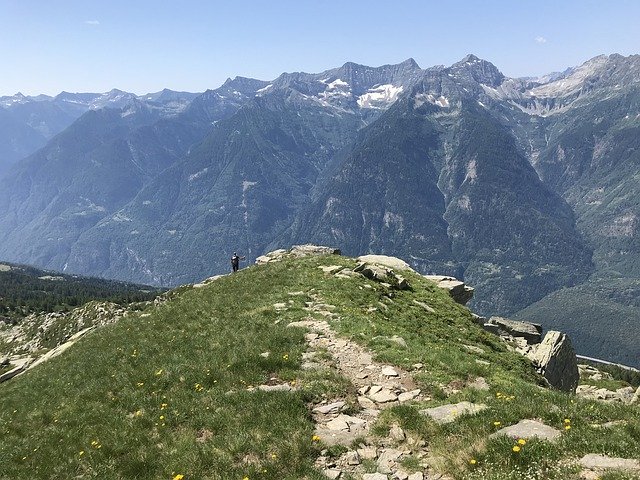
164	392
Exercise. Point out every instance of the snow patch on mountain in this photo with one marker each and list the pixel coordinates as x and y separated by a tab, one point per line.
380	96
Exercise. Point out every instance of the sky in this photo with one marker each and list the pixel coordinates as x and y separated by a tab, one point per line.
144	46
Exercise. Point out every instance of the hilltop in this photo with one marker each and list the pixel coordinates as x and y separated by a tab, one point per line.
302	368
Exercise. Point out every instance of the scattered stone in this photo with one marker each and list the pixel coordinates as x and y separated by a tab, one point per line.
383	396
372	390
400	475
301	324
425	306
449	413
389	372
367	453
396	433
417	366
416	476
479	384
330	408
482	362
284	387
556	360
352	458
312	250
331	269
279	306
408	396
332	473
528	429
364	402
361	375
337	424
387	460
602	462
531	332
374	476
265	354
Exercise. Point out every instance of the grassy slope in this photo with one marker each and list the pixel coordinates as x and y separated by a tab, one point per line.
148	388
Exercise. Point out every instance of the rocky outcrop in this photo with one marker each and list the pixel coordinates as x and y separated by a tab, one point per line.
386	261
460	292
531	332
296	251
382	274
556	360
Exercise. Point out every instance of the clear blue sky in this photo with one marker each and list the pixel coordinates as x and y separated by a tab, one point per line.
47	46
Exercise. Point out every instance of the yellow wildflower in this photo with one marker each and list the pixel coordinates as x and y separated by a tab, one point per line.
159	372
178	477
516	448
315	438
567	427
81	452
522	441
567	420
497	424
473	461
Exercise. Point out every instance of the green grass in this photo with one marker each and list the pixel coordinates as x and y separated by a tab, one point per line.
192	359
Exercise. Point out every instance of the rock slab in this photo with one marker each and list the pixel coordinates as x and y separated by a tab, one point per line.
556	360
529	429
450	412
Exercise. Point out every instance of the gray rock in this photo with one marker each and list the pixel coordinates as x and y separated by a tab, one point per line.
528	429
450	412
367	453
479	384
284	387
383	396
391	262
329	408
389	372
396	433
556	360
352	458
602	462
416	476
425	306
460	292
407	396
387	460
331	269
531	332
332	473
374	476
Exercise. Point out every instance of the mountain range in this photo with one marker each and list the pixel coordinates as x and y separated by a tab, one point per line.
527	188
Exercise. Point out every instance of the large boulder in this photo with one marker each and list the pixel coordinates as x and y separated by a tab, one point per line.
380	273
386	261
531	332
556	360
460	292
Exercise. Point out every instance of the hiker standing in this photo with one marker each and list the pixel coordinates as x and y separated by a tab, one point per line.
235	262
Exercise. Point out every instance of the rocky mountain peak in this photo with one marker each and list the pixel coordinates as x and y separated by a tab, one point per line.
474	68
